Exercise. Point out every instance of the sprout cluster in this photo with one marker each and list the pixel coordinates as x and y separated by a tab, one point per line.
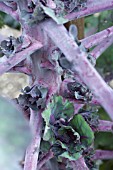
79	91
42	10
88	157
63	130
11	45
34	98
91	118
67	6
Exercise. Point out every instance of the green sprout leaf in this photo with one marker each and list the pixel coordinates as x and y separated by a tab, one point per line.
51	13
68	138
46	116
68	110
81	126
73	157
62	151
67	134
58	109
45	146
62	109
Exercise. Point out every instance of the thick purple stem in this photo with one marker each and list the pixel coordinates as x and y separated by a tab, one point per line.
104	126
103	154
46	158
93	7
97	38
7	63
78	58
97	51
32	152
17	69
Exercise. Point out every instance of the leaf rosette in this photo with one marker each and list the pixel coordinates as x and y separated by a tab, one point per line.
34	97
11	45
69	135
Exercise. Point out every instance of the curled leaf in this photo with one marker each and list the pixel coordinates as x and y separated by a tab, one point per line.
10	45
73	157
79	91
34	97
81	126
46	116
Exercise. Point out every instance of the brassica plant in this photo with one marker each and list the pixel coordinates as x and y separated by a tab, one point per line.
65	89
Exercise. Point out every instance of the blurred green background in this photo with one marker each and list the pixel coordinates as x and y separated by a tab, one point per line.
11	84
104	65
15	136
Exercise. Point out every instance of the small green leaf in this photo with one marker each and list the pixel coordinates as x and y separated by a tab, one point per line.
45	146
59	109
81	126
51	13
62	144
71	157
62	109
47	133
61	150
46	116
68	109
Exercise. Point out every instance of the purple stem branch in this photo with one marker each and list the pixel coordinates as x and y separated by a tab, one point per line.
79	164
104	126
7	63
46	158
24	70
11	4
77	103
9	10
97	38
32	152
80	64
97	51
103	154
92	7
